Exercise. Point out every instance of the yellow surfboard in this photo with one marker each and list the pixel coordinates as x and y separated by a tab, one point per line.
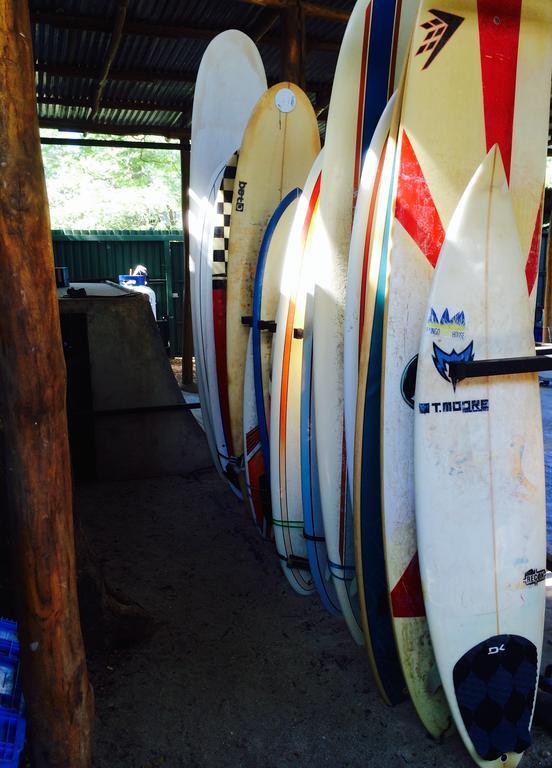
279	146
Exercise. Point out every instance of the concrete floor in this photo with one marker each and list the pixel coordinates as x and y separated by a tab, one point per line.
241	673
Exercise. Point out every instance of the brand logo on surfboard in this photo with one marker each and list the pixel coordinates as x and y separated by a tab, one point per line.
442	361
454	326
534	576
439	31
240	201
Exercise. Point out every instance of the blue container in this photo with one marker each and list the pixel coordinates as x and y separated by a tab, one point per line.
62	277
132	280
12	705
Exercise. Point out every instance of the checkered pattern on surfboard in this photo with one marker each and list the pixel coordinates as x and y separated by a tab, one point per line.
495	686
221	232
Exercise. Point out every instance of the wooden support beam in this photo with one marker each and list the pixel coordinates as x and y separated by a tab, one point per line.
88	126
33	426
143	29
310	9
114	144
187	338
293	44
114	45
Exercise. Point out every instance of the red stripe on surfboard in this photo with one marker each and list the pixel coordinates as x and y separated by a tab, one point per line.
532	265
252	439
499	26
288	337
219	328
407	600
361	98
367	240
415	207
259	497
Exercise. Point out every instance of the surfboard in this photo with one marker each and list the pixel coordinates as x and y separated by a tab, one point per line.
369	541
285	395
368	65
479	477
266	293
230	80
313	525
489	56
279	146
358	272
221	234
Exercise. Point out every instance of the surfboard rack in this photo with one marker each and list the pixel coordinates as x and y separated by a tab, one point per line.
542	361
298	333
262	325
301	563
267	325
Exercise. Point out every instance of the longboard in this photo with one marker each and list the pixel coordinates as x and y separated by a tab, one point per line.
279	145
313	525
221	234
285	396
497	62
266	293
230	80
368	66
479	477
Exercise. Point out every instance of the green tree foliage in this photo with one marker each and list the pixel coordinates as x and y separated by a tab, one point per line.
112	188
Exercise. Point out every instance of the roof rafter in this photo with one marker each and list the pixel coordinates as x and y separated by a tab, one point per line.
89	126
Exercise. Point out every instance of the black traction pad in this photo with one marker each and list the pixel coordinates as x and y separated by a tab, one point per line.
495	685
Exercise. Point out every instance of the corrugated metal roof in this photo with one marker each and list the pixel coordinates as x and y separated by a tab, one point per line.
155	72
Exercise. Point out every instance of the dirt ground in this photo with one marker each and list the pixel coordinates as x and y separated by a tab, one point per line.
241	672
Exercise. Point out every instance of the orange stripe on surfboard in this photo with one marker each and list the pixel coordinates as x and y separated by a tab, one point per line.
313	203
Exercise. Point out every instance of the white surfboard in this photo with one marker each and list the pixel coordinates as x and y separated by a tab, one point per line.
230	80
368	68
285	394
479	478
357	272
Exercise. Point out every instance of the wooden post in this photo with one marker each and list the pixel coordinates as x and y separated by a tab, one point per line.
547	311
187	339
293	44
33	426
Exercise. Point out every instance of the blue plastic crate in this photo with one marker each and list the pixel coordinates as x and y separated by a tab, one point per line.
12	705
12	738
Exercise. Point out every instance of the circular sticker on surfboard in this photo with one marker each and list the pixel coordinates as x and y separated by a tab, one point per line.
285	100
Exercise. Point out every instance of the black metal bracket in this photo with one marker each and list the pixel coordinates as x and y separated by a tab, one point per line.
460	370
247	320
267	325
298	333
300	563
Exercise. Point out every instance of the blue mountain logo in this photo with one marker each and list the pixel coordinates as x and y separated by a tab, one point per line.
458	319
442	360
